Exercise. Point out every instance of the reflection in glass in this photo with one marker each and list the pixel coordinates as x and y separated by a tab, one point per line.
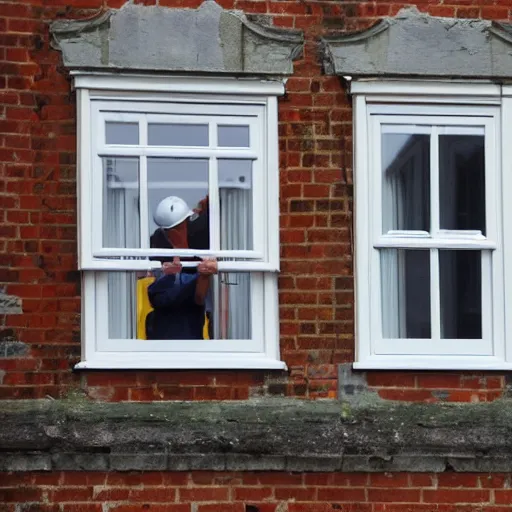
235	190
178	192
121	202
462	182
233	136
405	278
121	133
406	182
174	134
163	307
461	294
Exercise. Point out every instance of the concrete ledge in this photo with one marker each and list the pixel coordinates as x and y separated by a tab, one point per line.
255	435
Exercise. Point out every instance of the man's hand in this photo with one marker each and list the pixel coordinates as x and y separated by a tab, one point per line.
169	268
208	267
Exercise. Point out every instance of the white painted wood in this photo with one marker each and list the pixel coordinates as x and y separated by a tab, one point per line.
415	108
185	84
506	215
209	101
417	90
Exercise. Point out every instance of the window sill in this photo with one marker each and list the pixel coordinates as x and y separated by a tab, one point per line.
180	361
426	363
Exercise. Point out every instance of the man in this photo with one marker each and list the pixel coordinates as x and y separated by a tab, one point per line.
179	294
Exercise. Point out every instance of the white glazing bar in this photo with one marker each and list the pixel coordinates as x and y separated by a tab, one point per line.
144	202
143	253
487	302
434	180
435	296
177	152
411	242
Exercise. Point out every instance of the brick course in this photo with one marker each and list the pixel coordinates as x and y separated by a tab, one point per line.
38	218
255	492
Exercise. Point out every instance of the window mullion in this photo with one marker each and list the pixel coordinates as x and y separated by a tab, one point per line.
435	294
144	202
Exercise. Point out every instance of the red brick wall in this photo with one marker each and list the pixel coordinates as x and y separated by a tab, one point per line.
38	224
255	492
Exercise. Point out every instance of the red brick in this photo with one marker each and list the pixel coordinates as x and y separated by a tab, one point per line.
394	495
204	494
251	493
456	496
341	494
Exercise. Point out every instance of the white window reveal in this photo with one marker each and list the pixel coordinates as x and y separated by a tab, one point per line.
174	156
430	224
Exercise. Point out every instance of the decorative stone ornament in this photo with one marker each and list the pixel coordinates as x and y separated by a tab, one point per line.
414	44
155	39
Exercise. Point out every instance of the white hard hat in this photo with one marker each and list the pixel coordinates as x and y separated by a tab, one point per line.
171	211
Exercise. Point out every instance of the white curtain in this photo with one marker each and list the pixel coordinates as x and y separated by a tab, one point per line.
121	230
235	306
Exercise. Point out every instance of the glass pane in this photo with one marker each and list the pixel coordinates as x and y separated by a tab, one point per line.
173	306
234	312
233	136
405	278
406	182
462	182
460	274
178	203
235	192
121	227
121	133
177	134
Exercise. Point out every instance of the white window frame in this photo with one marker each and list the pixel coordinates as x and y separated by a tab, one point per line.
97	95
474	103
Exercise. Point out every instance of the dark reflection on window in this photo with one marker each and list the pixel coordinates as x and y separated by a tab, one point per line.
406	182
461	294
462	182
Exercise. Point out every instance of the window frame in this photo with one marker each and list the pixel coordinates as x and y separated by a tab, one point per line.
428	98
258	95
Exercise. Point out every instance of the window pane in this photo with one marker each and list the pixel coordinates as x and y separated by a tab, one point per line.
406	182
178	203
121	227
174	134
121	133
462	182
461	294
235	192
161	307
233	136
405	278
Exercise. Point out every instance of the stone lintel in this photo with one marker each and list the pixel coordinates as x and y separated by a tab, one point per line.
207	40
415	44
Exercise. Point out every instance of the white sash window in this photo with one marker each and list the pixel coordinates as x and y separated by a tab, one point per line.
212	143
432	233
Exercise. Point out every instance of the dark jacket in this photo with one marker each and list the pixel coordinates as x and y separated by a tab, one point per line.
176	315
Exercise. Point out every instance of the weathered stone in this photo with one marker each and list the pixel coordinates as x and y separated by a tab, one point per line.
196	461
80	461
205	40
13	348
138	461
314	463
9	304
272	434
351	385
417	44
247	462
25	461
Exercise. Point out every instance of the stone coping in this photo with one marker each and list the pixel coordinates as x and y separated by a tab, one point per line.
272	434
